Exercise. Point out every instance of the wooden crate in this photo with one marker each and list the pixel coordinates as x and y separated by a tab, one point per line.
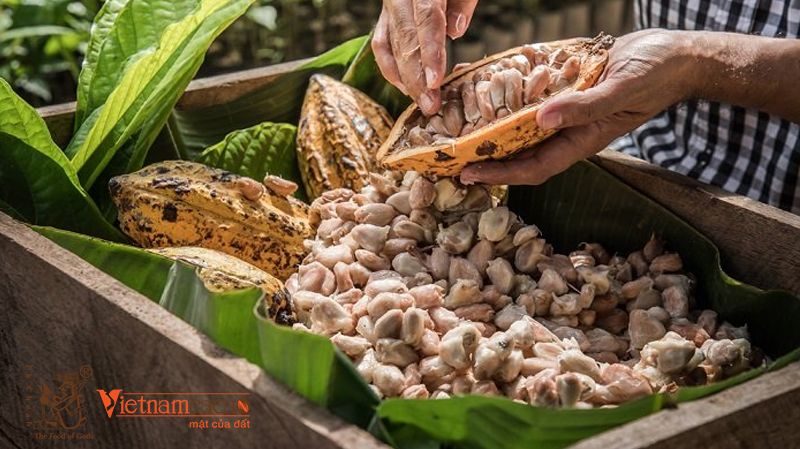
58	314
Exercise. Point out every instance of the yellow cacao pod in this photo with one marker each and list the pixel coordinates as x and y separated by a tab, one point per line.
221	272
489	107
180	203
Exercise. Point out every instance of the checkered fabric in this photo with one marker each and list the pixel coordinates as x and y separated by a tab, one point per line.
741	150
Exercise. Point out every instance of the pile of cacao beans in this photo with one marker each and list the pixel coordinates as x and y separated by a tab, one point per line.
433	289
494	91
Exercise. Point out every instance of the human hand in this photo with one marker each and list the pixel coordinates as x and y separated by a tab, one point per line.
647	72
409	44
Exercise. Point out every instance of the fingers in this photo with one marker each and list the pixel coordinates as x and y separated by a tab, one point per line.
459	15
382	49
540	163
580	108
429	17
406	49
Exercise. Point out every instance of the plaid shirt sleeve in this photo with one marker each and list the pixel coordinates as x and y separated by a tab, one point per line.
741	150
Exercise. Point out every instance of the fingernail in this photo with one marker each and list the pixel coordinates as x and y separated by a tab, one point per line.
550	120
425	103
430	78
461	24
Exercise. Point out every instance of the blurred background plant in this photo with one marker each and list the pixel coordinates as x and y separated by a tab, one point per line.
42	42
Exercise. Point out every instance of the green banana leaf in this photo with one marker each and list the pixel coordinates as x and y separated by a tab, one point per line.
265	148
586	203
278	101
584	197
226	317
363	75
37	182
147	88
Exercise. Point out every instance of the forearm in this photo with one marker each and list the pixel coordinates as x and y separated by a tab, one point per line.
750	71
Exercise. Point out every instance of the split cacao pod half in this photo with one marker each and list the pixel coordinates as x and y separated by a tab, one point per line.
221	272
338	137
180	203
489	107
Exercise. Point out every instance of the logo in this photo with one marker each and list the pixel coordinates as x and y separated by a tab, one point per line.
204	410
109	400
55	406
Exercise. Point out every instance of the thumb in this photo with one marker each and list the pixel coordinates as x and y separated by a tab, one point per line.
582	107
538	164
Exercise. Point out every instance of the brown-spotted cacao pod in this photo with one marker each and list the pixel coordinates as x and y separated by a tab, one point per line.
180	203
504	130
339	135
222	272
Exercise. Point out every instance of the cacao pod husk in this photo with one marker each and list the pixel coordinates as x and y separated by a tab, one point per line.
181	203
338	137
221	272
503	136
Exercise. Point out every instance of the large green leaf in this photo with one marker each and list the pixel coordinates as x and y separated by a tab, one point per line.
140	270
122	29
265	148
102	26
278	101
226	317
147	88
37	182
364	74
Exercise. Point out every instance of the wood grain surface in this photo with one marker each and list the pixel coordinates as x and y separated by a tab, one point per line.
762	413
59	314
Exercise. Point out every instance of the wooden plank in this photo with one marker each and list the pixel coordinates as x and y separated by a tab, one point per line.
761	413
224	88
59	314
758	243
59	119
